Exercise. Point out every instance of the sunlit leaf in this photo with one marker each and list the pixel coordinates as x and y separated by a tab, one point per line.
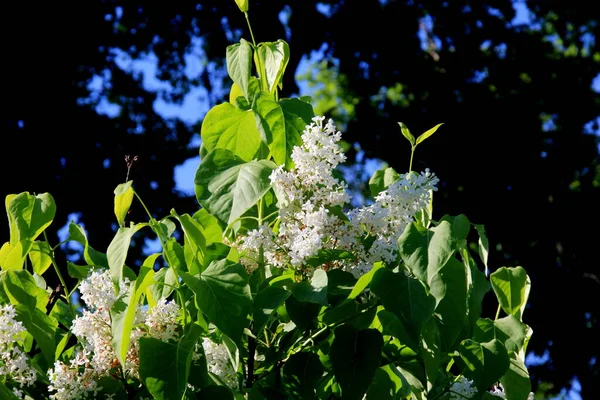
123	198
428	133
406	133
228	187
511	286
227	127
239	64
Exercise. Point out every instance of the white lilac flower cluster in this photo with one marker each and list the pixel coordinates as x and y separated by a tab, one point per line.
13	361
464	388
96	358
217	361
308	196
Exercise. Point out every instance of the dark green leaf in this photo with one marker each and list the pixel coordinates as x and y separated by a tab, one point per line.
406	297
355	356
516	382
265	304
165	367
324	256
313	292
431	352
484	363
450	285
509	330
223	294
300	375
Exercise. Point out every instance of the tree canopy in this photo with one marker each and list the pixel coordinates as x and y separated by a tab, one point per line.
518	151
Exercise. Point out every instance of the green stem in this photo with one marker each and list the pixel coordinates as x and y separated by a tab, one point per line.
60	277
412	152
497	313
250	28
144	205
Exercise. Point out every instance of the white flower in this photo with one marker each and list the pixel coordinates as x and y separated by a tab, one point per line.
14	363
162	320
217	361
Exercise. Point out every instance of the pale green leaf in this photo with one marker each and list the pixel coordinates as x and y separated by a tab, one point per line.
123	198
428	133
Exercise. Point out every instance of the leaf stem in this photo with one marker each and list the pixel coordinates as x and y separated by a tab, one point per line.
412	152
250	28
497	313
144	205
60	277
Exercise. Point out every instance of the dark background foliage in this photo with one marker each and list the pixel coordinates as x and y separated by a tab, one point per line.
518	151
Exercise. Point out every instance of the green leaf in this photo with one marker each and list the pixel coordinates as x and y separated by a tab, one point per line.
165	366
511	286
228	187
394	326
21	288
478	286
194	248
6	393
382	179
388	383
339	284
298	114
324	256
91	256
239	64
78	272
509	330
313	292
450	285
117	251
165	280
174	255
431	352
428	133
352	313
515	381
30	215
123	199
406	133
301	374
242	5
30	302
406	297
483	246
223	294
210	226
364	281
274	57
214	392
227	127
302	313
265	304
484	363
123	312
40	256
270	123
62	313
355	356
